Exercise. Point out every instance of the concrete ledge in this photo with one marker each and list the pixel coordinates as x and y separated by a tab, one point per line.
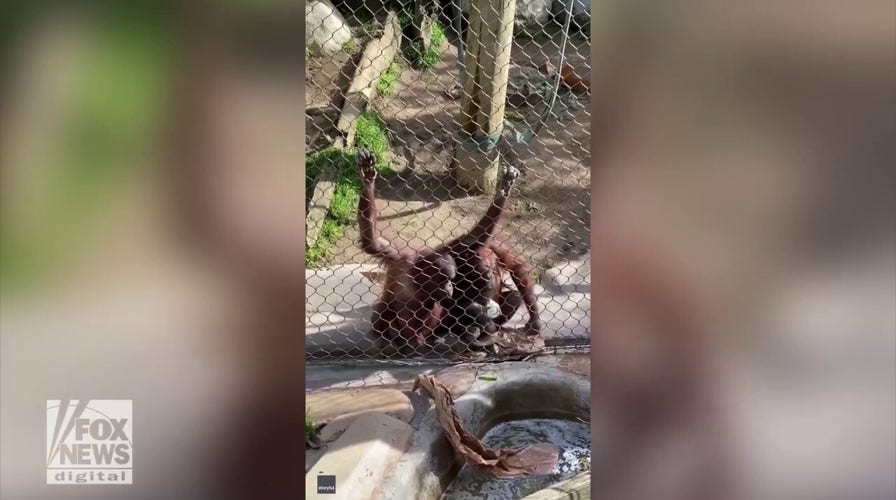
317	209
361	457
574	488
569	277
458	379
340	300
338	309
331	406
328	377
375	60
513	388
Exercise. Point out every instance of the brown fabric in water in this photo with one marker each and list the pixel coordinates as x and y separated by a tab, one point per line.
534	459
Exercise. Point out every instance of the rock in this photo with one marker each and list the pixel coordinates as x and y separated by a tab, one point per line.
312	456
326	31
361	457
581	13
333	430
457	379
531	15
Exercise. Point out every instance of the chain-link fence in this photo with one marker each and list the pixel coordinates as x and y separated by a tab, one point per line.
447	97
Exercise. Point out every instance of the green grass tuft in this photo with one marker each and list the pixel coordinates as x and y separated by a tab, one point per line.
310	427
419	58
343	209
370	30
344	204
388	80
438	36
371	134
429	58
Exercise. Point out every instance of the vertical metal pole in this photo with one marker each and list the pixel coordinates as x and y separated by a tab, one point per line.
461	43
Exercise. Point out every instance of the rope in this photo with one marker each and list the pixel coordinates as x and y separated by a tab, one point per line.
483	145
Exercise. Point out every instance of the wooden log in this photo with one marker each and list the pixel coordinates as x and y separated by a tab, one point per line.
577	487
470	98
496	66
485	92
423	26
426	32
476	168
485	62
320	204
375	60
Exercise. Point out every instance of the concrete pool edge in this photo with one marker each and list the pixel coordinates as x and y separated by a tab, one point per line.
499	392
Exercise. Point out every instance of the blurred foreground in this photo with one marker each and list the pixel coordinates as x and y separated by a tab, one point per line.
745	206
152	242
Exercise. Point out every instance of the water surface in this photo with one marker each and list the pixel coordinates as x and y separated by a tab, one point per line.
573	439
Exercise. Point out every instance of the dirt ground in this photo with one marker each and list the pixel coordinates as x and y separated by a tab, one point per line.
548	219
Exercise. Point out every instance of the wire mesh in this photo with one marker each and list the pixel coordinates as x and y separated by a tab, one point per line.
397	79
